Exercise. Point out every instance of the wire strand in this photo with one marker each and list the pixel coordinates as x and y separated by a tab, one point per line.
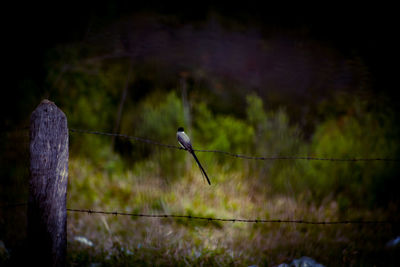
210	219
190	217
149	141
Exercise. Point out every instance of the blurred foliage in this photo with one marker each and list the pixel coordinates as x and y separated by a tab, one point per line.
89	90
346	126
361	133
160	116
274	137
124	174
222	133
88	94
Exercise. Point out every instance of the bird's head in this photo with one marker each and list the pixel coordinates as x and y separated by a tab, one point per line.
180	129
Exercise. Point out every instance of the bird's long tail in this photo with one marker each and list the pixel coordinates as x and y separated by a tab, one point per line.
201	167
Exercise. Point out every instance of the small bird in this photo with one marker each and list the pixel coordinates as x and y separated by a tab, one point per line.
184	141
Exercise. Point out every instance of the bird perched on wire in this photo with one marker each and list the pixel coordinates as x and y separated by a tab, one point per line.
184	141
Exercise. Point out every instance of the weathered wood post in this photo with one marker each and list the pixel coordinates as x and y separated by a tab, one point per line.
47	214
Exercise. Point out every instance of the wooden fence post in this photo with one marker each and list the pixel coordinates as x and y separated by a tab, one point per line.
47	214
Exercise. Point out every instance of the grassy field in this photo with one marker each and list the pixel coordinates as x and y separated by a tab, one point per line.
127	241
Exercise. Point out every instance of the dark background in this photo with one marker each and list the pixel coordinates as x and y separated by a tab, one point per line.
367	31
